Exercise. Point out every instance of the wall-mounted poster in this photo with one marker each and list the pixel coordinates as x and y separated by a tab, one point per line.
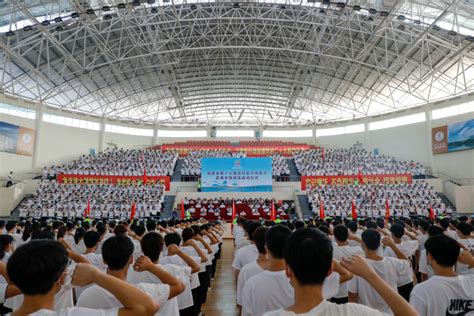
453	137
15	139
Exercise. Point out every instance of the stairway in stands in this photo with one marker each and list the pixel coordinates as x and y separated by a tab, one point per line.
168	206
293	171
16	211
177	170
448	203
305	207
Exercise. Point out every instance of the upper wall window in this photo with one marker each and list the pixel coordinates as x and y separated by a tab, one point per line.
235	133
69	121
340	130
17	111
457	109
288	133
181	133
398	121
128	130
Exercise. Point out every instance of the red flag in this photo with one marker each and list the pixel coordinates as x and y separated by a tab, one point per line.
134	210
354	210
272	213
387	210
321	209
360	177
87	211
432	215
233	210
322	153
144	175
182	209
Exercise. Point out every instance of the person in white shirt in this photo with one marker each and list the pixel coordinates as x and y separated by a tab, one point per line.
464	233
247	253
38	269
308	257
446	293
255	267
342	250
424	268
117	253
389	269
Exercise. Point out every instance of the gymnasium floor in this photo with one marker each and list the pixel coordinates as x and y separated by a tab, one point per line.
221	299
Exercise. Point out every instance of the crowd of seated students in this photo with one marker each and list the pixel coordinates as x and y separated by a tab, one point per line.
371	199
371	267
58	200
119	162
351	161
107	268
220	208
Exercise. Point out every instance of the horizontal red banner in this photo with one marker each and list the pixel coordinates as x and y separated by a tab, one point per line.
91	179
346	180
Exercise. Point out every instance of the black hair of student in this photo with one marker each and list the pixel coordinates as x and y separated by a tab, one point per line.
86	225
308	253
444	223
371	239
435	230
196	229
341	233
152	245
187	234
275	240
56	225
251	228
259	238
112	225
424	224
91	238
444	250
324	229
464	228
101	229
116	252
352	225
27	232
140	230
397	230
172	239
361	222
69	226
10	225
79	234
150	225
2	223
62	231
380	222
35	266
5	240
291	226
120	229
463	218
371	224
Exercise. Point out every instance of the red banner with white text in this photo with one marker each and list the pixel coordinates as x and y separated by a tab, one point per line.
354	179
120	180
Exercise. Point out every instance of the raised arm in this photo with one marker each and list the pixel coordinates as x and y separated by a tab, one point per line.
175	250
387	241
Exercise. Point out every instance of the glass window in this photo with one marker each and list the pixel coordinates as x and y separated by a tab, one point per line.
128	130
287	133
398	121
181	133
67	121
17	111
340	130
457	109
235	133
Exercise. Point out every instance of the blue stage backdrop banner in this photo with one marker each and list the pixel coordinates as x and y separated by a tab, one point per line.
236	174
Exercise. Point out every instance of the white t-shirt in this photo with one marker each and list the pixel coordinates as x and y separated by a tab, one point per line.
248	271
389	269
271	290
444	296
183	271
244	256
99	298
327	308
408	248
423	266
464	268
77	311
340	252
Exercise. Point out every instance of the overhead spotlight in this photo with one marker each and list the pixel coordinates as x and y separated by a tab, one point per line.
341	5
356	8
136	3
121	5
383	13
154	10
193	6
107	17
436	27
470	38
401	17
372	11
236	5
27	28
58	19
401	27
45	23
150	1
90	11
322	11
282	7
105	8
10	33
417	22
74	15
370	19
452	33
59	28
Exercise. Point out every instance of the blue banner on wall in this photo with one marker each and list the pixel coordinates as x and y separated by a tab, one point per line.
15	139
236	174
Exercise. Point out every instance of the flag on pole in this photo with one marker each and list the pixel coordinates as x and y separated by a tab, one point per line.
432	214
321	209
322	153
387	210
233	210
133	211
87	211
354	210
144	176
182	209
360	177
272	212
